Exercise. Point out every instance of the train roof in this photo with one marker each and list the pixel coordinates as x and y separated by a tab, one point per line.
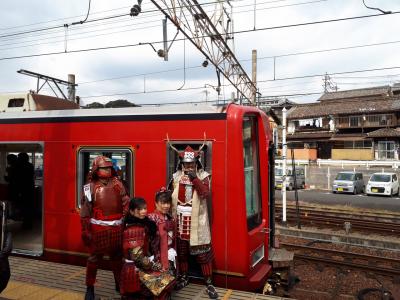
186	111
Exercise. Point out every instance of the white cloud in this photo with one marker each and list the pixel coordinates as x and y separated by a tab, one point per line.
136	60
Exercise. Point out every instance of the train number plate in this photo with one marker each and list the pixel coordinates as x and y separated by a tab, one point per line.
340	189
374	190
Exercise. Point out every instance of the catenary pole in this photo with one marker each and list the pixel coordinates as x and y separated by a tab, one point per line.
284	150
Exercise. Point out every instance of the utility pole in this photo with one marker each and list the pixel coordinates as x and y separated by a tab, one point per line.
71	87
284	178
254	75
328	85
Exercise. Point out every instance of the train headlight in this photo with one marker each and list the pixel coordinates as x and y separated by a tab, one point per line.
257	256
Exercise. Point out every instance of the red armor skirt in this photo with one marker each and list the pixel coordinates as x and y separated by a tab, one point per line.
130	282
106	239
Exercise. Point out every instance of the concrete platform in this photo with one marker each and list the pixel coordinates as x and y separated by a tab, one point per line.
34	279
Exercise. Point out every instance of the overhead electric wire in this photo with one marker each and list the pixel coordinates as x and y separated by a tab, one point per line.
366	77
158	42
62	19
245	60
90	21
243	31
330	74
258	81
62	33
80	38
126	8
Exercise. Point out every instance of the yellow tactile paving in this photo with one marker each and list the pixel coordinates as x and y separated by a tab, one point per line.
68	295
21	290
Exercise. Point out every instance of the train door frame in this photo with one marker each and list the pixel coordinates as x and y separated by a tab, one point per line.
172	162
29	241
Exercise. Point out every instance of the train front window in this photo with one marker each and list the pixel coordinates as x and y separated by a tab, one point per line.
122	163
251	172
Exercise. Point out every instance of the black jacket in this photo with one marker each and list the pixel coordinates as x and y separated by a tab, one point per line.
4	264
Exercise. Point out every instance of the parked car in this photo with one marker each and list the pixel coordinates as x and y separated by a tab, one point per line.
348	182
383	184
290	184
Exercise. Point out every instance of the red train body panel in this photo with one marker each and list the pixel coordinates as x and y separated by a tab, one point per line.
238	164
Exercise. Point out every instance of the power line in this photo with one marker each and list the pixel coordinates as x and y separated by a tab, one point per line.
209	3
269	80
62	33
90	21
78	38
366	77
128	7
260	58
62	19
333	73
237	32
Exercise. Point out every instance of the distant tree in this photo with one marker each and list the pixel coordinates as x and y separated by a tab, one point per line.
94	105
120	103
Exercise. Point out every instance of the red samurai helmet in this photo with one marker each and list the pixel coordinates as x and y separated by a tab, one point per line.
102	162
189	155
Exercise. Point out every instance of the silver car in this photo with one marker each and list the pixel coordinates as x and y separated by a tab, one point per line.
348	182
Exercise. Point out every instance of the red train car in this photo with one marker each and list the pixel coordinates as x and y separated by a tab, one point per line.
62	145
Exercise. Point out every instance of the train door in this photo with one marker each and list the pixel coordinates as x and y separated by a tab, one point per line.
254	210
21	186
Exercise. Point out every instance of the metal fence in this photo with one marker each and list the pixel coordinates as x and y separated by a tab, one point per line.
394	164
320	174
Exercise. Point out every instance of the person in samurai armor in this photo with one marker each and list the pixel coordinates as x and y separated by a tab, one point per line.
142	276
104	203
166	253
189	206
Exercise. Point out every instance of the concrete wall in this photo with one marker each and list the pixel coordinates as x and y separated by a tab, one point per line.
302	154
352	154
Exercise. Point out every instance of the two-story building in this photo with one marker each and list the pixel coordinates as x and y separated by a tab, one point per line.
361	124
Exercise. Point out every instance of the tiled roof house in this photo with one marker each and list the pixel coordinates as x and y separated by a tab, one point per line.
361	124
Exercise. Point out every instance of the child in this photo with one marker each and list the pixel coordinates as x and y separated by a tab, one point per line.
166	253
140	276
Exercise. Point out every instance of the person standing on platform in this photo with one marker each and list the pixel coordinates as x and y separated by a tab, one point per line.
166	225
104	204
142	275
12	180
189	205
26	185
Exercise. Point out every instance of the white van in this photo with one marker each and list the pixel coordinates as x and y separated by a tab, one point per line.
383	184
290	184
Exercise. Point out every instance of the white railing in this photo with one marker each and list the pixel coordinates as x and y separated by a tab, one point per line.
394	164
298	162
367	163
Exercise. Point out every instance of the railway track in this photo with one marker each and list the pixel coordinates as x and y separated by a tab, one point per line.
374	264
365	222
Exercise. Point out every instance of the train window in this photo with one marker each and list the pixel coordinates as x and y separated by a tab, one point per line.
16	102
173	160
122	163
251	172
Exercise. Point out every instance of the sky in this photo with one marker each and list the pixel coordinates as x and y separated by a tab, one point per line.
291	58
